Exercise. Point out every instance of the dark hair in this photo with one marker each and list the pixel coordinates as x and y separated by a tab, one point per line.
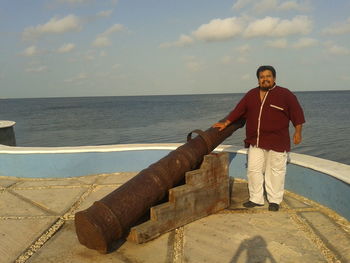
263	68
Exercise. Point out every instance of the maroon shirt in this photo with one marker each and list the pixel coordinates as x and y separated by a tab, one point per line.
267	121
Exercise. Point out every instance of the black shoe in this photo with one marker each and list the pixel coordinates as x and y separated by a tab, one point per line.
273	207
251	204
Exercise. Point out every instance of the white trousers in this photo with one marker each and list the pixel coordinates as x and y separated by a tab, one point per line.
268	166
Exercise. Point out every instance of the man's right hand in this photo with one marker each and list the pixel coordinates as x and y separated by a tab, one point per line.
220	125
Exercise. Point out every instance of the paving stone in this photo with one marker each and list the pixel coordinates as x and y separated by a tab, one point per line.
254	235
47	183
240	195
294	203
333	236
6	182
246	238
98	193
89	179
115	178
159	250
64	247
17	235
11	205
58	200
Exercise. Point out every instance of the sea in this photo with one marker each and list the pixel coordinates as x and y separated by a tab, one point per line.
80	121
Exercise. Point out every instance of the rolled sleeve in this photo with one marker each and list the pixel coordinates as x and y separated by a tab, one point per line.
239	111
296	112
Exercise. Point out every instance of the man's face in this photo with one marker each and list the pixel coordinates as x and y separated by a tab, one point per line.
266	79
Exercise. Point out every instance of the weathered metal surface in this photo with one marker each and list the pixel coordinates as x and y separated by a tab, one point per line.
110	218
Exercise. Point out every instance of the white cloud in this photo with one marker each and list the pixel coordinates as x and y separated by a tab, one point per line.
305	42
275	27
298	25
90	55
293	5
113	74
219	29
301	43
274	5
338	29
116	66
239	4
226	60
103	40
66	48
244	49
337	50
37	69
31	51
77	78
113	29
193	64
262	27
184	40
54	26
106	13
225	29
230	59
345	77
263	6
278	43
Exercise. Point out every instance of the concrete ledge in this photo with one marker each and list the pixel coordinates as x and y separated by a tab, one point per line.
307	175
335	169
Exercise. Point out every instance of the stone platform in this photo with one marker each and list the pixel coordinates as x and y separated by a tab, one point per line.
37	225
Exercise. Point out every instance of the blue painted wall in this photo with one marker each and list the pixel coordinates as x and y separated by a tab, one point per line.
312	184
76	164
319	187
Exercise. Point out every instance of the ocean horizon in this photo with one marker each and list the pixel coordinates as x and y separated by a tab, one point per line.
156	95
105	120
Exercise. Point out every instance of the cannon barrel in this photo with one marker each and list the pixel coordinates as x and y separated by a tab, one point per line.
108	219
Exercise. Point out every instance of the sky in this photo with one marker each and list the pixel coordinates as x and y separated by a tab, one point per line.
68	48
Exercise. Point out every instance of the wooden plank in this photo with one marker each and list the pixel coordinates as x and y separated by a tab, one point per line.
206	192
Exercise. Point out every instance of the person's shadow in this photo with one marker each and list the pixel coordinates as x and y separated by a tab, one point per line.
257	251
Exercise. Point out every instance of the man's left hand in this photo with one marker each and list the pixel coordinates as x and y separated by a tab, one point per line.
297	134
297	138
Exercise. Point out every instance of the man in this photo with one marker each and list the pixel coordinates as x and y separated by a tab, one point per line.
267	110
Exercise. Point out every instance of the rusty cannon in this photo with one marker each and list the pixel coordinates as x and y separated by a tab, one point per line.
110	218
